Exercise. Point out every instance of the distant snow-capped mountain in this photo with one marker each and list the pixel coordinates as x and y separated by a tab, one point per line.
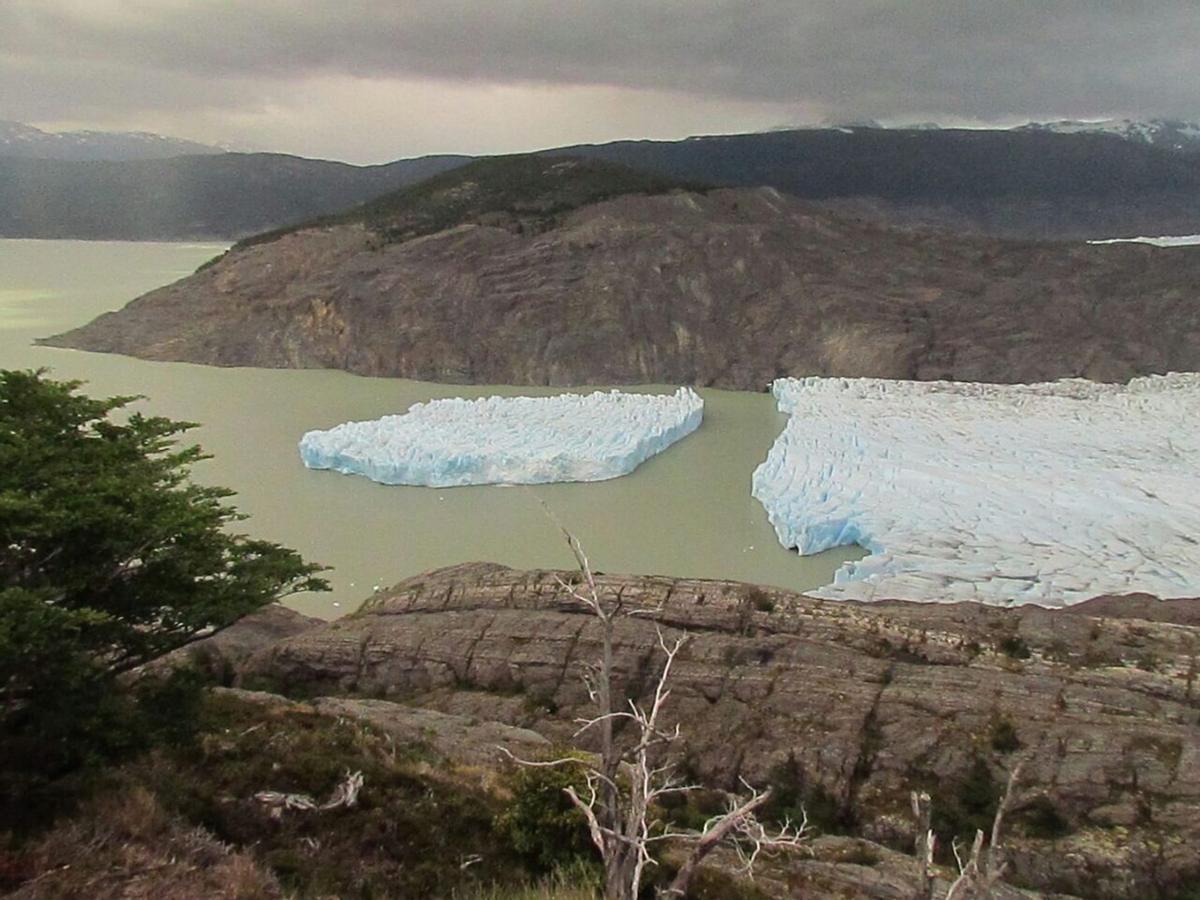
1170	134
18	139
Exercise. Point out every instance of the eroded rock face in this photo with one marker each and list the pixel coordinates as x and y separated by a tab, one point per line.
731	289
866	701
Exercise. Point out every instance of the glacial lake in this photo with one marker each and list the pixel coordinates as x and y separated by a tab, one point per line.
686	512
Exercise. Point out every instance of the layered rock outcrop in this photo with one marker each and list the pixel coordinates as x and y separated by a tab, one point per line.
854	704
730	288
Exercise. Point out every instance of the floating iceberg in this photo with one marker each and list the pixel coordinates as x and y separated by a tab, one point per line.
1042	493
1165	240
508	440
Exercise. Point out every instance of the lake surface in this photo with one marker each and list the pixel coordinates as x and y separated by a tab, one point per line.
686	512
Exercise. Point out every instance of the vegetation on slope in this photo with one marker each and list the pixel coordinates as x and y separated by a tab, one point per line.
942	166
1025	184
182	820
528	192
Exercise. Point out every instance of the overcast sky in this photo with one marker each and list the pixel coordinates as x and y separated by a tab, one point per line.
374	80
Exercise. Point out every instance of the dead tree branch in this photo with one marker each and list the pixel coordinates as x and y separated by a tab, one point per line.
624	784
984	867
345	794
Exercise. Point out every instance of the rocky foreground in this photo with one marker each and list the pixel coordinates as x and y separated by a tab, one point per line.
853	705
728	288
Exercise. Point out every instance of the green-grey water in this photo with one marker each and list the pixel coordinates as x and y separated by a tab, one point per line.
687	511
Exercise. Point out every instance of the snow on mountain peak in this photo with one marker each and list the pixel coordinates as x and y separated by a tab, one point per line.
1171	134
19	139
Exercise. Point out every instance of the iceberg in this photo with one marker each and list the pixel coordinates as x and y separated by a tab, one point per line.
508	440
1003	494
1165	240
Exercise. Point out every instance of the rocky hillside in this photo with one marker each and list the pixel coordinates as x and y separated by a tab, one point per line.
535	270
845	706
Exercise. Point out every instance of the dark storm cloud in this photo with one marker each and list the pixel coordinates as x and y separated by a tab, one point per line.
897	59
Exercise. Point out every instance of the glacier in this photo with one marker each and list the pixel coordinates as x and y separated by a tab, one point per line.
1003	494
508	440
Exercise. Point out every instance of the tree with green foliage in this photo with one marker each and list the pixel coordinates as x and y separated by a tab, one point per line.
541	822
110	557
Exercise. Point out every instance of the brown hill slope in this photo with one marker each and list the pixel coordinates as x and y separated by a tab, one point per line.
729	288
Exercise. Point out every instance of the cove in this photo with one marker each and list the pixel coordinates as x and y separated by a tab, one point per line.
686	512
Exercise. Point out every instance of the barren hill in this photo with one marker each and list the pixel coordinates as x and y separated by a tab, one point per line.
536	270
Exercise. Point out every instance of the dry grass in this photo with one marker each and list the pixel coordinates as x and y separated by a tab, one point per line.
577	882
125	846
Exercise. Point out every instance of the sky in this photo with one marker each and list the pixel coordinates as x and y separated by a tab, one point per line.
374	80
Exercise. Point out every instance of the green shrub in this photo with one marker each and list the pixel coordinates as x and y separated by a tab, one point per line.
1014	646
965	804
1004	735
540	822
760	600
690	810
793	794
1040	818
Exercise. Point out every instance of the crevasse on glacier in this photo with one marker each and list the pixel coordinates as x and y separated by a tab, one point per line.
508	440
1042	493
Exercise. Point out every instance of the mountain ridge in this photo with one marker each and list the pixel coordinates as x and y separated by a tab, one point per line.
20	139
1170	134
1014	183
1165	133
218	196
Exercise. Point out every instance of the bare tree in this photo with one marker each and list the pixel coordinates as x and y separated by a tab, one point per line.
623	786
984	866
926	842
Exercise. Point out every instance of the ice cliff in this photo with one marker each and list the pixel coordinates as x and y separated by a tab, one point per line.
1041	493
508	440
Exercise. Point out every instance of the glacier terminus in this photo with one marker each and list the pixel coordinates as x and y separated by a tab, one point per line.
1040	493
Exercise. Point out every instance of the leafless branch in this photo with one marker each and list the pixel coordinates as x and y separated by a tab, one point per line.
624	782
982	870
926	843
345	794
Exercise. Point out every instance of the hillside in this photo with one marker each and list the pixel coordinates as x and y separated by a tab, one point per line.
1026	184
729	288
221	196
1019	183
523	193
